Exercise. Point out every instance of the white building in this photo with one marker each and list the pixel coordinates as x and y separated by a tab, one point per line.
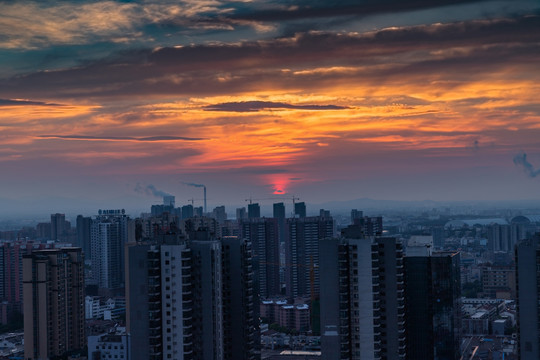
109	346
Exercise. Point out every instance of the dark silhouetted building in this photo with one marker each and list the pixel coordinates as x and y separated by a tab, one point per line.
433	306
241	340
300	209
84	225
263	234
241	214
279	210
302	254
279	215
254	211
527	253
58	226
187	212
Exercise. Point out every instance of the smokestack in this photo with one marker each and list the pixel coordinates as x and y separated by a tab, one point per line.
197	185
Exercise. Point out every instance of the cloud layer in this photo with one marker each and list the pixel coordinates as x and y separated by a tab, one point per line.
226	94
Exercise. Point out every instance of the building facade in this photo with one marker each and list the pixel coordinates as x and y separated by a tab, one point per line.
53	285
362	305
110	231
433	306
263	234
527	253
302	254
191	299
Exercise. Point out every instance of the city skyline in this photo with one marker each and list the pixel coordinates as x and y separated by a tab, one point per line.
120	103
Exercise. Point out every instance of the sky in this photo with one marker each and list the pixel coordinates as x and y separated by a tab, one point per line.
111	104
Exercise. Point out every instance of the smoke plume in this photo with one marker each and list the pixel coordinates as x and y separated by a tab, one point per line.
521	159
192	184
150	190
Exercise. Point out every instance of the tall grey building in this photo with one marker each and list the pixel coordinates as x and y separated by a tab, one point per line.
169	200
527	254
110	231
53	286
241	214
219	214
362	305
499	238
302	254
191	299
279	215
159	301
84	231
207	311
58	226
263	234
240	301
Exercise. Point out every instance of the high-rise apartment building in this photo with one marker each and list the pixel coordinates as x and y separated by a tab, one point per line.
110	231
84	225
300	209
356	214
207	313
433	306
279	215
499	238
302	254
279	210
159	301
254	211
53	283
241	338
58	226
241	214
362	305
11	269
169	200
191	299
263	233
11	274
187	212
527	253
219	214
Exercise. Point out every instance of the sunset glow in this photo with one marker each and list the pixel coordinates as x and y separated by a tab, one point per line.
241	103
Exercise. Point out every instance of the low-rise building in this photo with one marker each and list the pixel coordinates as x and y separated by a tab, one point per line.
109	346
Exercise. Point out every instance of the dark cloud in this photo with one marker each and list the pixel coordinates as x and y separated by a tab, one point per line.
324	9
418	51
10	102
256	170
251	106
121	138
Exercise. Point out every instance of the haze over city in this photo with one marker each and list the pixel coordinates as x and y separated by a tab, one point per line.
103	100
